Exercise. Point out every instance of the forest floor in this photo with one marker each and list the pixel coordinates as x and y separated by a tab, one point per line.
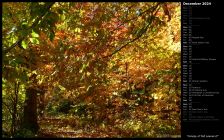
71	127
118	122
53	127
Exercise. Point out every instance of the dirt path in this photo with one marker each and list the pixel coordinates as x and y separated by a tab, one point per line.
62	128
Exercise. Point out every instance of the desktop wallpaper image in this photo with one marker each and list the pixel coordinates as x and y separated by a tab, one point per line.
91	69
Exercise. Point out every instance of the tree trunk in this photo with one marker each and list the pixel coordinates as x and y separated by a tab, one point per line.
30	110
14	113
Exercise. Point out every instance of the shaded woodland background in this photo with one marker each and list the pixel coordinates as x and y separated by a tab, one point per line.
91	69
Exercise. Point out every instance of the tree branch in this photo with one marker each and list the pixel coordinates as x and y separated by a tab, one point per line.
128	20
143	30
8	107
35	23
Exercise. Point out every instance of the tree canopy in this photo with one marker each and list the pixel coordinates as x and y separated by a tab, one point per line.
111	67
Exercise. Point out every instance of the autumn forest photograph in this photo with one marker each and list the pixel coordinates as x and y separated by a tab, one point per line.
91	70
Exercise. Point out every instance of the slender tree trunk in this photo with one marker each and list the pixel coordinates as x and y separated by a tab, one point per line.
30	110
14	111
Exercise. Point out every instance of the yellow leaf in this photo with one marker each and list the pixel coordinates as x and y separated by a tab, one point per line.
88	73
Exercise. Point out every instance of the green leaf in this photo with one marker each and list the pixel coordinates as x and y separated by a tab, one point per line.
154	29
34	34
24	25
84	66
138	92
51	36
24	44
34	41
61	87
63	17
148	76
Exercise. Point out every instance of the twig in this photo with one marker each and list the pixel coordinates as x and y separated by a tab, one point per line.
144	29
